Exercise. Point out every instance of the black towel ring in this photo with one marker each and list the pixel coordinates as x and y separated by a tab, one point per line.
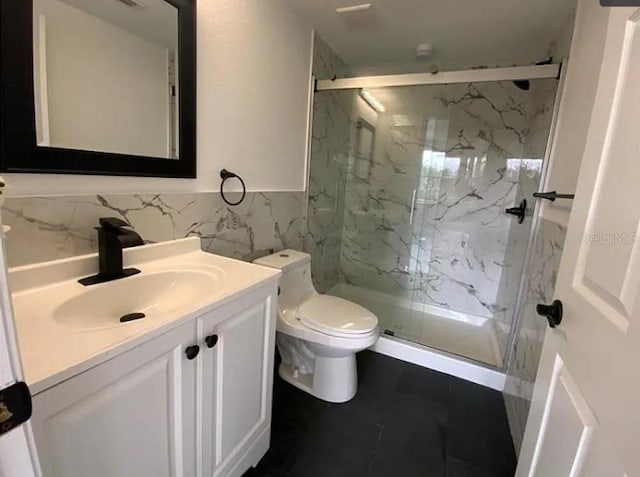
224	175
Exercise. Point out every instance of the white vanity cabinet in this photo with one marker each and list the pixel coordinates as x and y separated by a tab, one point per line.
134	415
152	411
236	386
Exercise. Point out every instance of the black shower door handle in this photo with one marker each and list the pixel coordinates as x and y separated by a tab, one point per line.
519	211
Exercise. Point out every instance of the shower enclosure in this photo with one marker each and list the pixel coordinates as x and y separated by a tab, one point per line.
408	188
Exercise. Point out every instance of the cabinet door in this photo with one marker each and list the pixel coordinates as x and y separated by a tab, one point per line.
131	416
237	384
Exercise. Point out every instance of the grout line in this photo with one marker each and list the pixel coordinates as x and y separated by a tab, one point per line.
375	449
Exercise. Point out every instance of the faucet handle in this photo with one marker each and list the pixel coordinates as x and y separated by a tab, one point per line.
112	223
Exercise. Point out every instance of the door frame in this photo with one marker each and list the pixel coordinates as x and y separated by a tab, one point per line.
17	447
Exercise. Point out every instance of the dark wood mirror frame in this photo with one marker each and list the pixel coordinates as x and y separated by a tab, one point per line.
19	151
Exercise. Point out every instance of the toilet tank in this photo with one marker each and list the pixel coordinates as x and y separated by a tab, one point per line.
295	284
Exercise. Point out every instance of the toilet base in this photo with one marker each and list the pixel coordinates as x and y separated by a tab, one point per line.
333	379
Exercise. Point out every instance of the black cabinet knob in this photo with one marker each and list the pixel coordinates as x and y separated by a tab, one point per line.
211	340
192	351
553	312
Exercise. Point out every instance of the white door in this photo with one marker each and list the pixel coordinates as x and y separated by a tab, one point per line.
237	384
585	412
131	416
17	455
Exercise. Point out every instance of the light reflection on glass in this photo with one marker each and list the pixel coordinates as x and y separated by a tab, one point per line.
524	167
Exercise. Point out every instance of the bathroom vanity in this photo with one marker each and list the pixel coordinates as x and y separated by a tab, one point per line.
184	391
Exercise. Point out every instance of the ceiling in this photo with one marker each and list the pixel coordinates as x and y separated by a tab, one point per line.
463	33
157	21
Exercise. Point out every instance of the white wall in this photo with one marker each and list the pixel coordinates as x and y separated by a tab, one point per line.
254	60
107	88
574	115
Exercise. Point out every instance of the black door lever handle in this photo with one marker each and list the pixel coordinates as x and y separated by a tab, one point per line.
553	312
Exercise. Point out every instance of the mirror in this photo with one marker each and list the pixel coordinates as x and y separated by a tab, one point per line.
105	75
99	87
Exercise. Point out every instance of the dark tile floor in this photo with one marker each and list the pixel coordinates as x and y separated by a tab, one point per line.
405	421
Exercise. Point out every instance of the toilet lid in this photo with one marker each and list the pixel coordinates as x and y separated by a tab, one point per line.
330	314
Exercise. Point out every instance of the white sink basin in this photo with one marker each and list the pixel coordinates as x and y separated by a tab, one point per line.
154	294
65	328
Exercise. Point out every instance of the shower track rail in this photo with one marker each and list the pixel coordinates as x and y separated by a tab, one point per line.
445	77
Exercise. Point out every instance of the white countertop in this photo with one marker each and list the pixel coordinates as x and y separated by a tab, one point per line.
52	351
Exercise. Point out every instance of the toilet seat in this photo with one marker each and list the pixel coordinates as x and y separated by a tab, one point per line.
336	317
291	325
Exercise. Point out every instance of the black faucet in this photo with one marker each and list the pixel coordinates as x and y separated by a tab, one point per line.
112	238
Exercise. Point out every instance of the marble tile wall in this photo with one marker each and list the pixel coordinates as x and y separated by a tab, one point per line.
467	151
377	236
542	103
47	228
330	146
539	288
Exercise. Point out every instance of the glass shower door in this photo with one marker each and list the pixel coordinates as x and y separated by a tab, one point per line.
483	153
407	203
378	243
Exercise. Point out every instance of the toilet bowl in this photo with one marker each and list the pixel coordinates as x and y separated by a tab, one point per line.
318	335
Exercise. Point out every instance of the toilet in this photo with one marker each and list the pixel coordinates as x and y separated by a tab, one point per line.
318	335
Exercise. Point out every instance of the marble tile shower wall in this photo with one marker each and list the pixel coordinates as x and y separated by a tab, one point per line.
539	288
330	146
47	228
468	151
543	94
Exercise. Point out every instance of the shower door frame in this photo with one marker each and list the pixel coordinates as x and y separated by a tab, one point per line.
535	219
480	75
